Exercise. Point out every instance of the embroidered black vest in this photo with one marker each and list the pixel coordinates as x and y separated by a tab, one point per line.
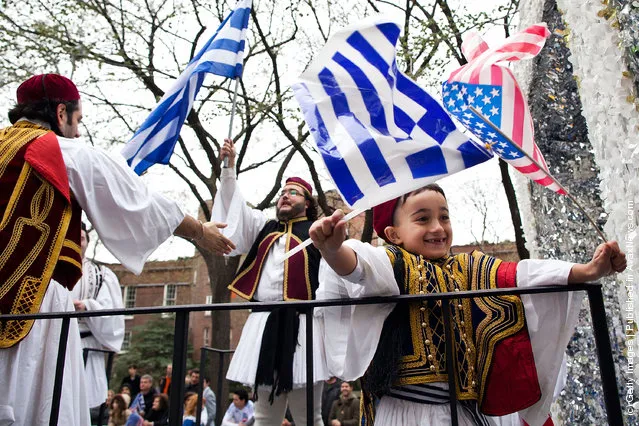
300	270
412	346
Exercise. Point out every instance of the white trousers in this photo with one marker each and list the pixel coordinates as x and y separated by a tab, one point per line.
273	415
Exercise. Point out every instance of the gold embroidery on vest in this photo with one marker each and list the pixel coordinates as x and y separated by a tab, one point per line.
31	290
73	246
427	363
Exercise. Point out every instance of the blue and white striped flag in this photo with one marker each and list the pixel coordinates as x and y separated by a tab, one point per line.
380	134
223	55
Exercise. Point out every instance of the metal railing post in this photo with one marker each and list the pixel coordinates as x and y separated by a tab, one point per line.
604	354
200	387
221	400
180	340
59	372
450	362
310	408
109	367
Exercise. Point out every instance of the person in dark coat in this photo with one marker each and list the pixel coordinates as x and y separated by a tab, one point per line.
132	381
329	395
345	411
159	413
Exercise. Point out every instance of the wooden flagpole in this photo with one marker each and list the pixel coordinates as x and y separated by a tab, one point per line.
514	145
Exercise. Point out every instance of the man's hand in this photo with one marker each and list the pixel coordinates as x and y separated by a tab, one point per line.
228	151
329	233
286	423
335	423
79	305
212	239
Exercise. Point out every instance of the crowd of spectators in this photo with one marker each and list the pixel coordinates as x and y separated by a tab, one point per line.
140	403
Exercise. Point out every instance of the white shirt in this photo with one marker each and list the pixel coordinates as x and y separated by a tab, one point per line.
243	228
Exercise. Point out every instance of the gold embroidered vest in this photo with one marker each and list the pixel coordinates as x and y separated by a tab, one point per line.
36	242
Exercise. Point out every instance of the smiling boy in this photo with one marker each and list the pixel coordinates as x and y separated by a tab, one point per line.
508	350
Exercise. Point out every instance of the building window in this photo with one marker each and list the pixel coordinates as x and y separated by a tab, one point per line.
209	301
126	342
170	294
206	337
129	299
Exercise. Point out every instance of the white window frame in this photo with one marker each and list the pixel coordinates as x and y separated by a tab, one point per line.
209	301
169	302
206	337
126	342
125	298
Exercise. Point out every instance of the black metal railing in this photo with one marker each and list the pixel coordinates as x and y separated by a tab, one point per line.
108	369
219	413
594	293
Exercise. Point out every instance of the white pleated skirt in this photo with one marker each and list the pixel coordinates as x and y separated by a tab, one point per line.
394	412
243	367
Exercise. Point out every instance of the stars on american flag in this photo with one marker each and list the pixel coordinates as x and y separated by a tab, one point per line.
487	100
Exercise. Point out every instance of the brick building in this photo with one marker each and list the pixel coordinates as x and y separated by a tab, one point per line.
183	281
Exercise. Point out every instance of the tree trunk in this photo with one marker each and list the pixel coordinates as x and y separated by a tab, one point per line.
520	240
221	273
367	231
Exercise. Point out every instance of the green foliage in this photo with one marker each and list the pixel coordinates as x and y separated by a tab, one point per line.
151	349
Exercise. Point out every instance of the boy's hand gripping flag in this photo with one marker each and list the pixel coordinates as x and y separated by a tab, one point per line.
485	85
223	55
379	134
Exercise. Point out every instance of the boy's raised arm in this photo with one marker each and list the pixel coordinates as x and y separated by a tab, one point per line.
328	234
608	258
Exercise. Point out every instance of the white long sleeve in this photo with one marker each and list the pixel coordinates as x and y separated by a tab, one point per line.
131	220
244	225
229	206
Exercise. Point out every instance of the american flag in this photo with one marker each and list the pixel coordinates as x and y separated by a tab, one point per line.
379	133
487	85
223	55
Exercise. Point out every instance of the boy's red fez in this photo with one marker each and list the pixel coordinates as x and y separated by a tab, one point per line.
383	217
302	182
47	87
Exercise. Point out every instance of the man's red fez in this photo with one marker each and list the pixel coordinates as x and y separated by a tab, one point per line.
301	182
383	217
47	87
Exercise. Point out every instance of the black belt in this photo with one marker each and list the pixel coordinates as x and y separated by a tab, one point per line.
84	334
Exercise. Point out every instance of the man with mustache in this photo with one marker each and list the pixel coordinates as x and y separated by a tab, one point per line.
271	353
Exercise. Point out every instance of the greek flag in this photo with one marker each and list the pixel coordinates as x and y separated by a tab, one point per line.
379	134
223	55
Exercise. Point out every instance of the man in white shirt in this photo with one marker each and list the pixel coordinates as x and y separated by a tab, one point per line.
47	179
271	353
240	412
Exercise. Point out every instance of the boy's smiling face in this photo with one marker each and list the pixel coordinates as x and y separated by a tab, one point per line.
422	225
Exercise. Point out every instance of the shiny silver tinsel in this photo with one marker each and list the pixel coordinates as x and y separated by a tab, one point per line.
627	14
562	231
